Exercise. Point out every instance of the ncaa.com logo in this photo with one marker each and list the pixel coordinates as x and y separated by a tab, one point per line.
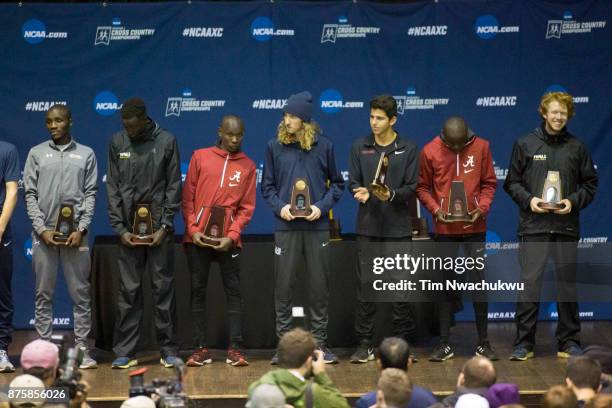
331	101
106	103
262	29
487	27
35	31
560	88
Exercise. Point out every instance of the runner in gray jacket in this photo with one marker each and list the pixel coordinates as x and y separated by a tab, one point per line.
61	171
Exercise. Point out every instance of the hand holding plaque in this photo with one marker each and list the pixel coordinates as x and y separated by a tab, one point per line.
457	204
300	199
64	225
378	186
214	227
143	225
551	192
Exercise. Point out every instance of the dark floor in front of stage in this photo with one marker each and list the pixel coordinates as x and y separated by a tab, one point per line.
220	380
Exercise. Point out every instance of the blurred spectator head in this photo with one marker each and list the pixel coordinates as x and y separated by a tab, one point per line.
477	372
559	396
26	381
584	372
396	387
394	352
294	348
472	401
40	358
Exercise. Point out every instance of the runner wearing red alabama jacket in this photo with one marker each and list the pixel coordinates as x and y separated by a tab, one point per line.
218	176
458	154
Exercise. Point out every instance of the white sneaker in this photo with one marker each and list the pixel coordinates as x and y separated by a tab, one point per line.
5	364
88	361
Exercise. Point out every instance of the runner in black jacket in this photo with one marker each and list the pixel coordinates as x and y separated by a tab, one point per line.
381	219
143	168
549	148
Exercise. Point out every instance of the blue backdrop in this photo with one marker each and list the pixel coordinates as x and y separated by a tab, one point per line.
489	61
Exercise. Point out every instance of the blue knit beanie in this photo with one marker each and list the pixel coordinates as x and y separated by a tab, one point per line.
300	105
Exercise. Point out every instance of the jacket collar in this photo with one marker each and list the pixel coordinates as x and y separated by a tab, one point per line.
399	142
548	138
223	153
71	145
471	138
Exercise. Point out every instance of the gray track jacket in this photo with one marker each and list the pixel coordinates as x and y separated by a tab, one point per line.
52	177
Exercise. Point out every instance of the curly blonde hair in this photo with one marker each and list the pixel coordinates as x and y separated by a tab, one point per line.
562	97
307	137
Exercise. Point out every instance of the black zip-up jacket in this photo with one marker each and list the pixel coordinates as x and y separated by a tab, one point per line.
389	219
533	156
146	171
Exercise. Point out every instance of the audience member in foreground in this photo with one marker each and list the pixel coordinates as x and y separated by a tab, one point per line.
559	396
583	378
476	376
394	352
300	361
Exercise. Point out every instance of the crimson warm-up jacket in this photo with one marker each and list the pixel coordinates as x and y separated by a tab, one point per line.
439	166
218	178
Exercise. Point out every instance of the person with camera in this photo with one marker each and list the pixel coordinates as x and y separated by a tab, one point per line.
57	368
61	181
301	361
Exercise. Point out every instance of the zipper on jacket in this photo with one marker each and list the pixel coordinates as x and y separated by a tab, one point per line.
457	164
224	167
62	178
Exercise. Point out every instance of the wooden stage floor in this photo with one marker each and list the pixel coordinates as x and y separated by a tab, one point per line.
220	385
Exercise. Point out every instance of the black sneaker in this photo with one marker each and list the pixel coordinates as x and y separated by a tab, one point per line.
363	354
328	356
521	353
484	349
442	352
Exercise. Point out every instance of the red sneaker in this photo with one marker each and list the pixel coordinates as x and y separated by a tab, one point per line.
236	358
199	358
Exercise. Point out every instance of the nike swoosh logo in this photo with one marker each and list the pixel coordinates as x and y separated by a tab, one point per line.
399	152
232	185
325	244
467	171
235	255
7	243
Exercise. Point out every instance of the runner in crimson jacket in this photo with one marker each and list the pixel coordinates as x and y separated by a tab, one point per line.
458	154
225	177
